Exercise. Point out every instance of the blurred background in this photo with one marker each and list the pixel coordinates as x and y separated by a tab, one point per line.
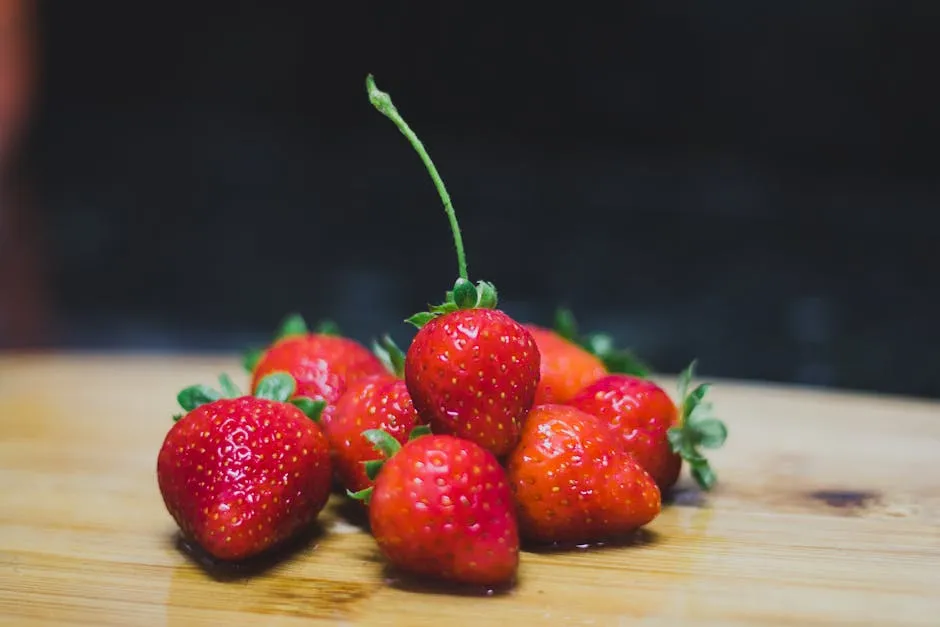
752	184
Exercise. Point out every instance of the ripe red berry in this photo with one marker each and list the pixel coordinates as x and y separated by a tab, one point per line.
471	369
242	474
442	509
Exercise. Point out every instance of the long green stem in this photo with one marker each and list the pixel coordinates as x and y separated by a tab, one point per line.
383	102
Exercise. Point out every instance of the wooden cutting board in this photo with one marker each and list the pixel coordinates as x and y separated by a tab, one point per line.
828	512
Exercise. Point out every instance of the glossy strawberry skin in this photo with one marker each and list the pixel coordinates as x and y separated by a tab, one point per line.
565	367
640	413
473	373
442	508
573	483
375	402
240	476
322	365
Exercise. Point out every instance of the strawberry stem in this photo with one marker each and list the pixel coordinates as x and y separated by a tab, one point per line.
383	102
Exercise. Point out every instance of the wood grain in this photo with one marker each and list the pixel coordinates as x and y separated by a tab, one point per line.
828	512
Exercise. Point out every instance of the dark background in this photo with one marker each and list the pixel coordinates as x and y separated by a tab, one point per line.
752	184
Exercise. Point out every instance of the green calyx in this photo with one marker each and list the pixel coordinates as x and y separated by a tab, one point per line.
601	345
292	325
465	294
387	446
698	428
277	386
390	354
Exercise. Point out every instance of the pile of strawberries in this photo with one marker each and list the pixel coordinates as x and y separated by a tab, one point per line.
483	434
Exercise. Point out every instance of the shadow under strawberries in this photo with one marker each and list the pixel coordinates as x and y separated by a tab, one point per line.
352	512
400	580
684	497
224	570
639	537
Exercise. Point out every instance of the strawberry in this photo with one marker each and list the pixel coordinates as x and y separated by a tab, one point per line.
565	366
572	481
322	363
473	374
441	508
571	361
471	370
658	434
378	401
242	474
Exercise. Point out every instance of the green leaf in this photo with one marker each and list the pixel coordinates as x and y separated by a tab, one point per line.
694	399
277	386
389	354
310	407
196	395
701	410
676	437
362	495
373	466
419	431
487	297
251	358
704	475
566	325
685	379
444	308
228	387
698	428
420	319
293	324
621	361
710	433
177	417
328	327
382	441
464	294
682	444
599	343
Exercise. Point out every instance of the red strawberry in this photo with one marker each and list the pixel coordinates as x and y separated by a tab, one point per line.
565	366
377	402
573	483
471	369
657	433
322	363
441	508
241	474
570	361
473	373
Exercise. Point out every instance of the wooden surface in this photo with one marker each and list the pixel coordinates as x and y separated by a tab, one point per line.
828	513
